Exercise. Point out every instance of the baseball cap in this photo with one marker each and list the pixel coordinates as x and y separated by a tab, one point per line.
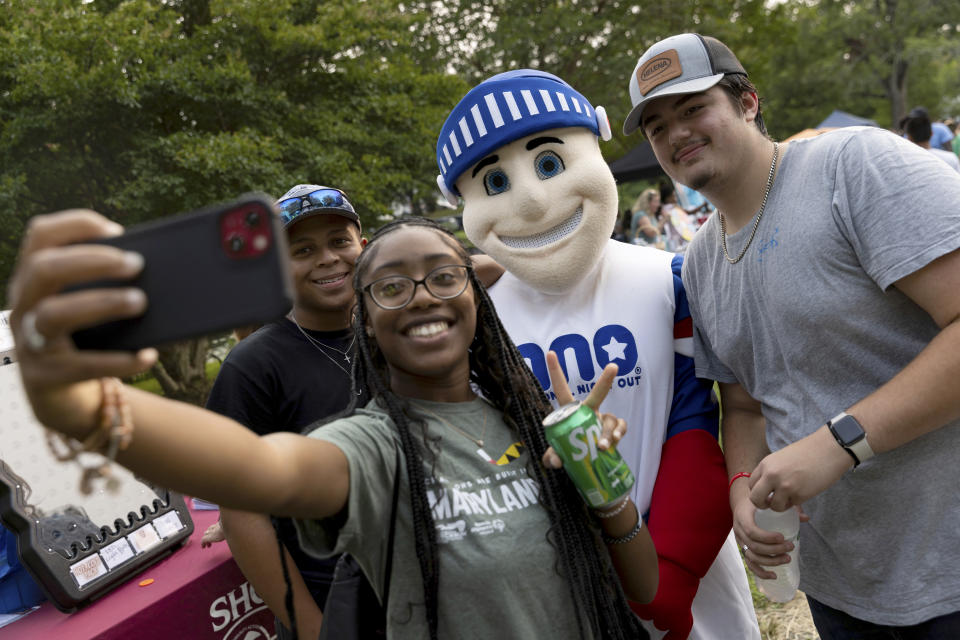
685	63
504	108
917	113
307	200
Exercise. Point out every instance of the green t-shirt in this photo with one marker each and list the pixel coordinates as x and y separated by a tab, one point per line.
498	574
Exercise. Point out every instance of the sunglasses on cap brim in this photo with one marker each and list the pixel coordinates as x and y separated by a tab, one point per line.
290	208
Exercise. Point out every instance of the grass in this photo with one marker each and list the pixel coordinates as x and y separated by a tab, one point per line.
782	621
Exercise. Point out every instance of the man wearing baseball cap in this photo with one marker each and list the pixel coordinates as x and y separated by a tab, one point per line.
522	150
289	374
824	296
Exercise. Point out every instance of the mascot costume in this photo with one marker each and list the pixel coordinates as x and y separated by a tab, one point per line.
522	150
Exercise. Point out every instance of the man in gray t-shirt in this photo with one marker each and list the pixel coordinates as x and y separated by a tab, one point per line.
826	299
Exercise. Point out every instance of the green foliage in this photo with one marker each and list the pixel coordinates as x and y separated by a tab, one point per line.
592	44
807	57
874	59
147	382
140	109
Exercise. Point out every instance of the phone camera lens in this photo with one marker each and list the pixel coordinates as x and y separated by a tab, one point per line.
253	219
236	243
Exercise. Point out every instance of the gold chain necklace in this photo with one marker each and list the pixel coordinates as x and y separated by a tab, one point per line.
473	439
756	223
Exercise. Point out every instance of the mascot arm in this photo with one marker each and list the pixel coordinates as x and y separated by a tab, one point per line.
689	516
487	269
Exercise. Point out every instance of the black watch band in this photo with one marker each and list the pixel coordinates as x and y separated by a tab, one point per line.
856	460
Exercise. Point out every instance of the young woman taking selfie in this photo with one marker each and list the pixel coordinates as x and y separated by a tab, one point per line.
491	540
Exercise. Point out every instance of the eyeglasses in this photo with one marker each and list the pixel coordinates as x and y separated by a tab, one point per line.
396	292
292	207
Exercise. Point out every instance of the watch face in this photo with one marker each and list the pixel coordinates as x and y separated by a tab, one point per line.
848	430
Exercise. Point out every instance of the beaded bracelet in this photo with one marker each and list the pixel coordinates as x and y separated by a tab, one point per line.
113	434
609	514
625	538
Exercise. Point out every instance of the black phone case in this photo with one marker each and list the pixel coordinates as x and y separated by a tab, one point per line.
193	286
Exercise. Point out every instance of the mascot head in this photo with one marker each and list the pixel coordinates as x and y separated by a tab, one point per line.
521	149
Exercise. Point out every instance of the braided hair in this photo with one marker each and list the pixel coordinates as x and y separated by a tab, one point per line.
498	371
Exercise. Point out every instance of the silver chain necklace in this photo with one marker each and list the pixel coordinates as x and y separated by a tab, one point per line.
318	346
756	222
345	354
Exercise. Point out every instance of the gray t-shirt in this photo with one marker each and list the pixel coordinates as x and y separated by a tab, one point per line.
498	574
809	324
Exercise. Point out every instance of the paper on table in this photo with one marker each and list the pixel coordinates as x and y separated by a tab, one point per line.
202	505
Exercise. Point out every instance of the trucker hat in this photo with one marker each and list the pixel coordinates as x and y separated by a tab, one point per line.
685	63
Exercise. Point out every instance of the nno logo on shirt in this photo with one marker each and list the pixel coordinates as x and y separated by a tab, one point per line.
611	343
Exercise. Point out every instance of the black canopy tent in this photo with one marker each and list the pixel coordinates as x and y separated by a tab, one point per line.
640	164
637	164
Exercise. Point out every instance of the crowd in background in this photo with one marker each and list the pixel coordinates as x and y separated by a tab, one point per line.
663	218
667	216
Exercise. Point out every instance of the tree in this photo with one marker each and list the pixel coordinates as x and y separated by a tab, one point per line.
872	58
807	57
140	109
592	44
181	370
887	39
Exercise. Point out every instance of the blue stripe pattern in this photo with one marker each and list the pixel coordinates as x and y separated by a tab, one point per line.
504	108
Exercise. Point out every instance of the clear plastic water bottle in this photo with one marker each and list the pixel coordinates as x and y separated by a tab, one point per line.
783	588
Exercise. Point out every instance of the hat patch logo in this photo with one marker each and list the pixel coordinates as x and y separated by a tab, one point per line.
656	71
653	67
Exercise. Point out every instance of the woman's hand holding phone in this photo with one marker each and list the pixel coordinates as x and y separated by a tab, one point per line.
81	281
58	378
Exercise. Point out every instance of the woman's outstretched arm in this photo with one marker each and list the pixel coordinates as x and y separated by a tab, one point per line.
176	445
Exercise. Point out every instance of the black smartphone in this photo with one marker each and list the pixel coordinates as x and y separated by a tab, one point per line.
215	269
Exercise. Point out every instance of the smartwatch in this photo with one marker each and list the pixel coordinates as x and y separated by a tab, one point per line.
851	436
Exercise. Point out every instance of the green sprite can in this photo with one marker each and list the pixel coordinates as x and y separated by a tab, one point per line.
601	476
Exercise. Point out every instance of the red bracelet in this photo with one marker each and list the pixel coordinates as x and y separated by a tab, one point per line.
742	474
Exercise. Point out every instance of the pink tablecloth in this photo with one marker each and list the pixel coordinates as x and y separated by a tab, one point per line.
196	594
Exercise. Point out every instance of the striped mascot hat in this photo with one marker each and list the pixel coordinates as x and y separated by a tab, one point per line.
505	108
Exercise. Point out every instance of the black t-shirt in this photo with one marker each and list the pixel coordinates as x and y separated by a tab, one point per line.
277	379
